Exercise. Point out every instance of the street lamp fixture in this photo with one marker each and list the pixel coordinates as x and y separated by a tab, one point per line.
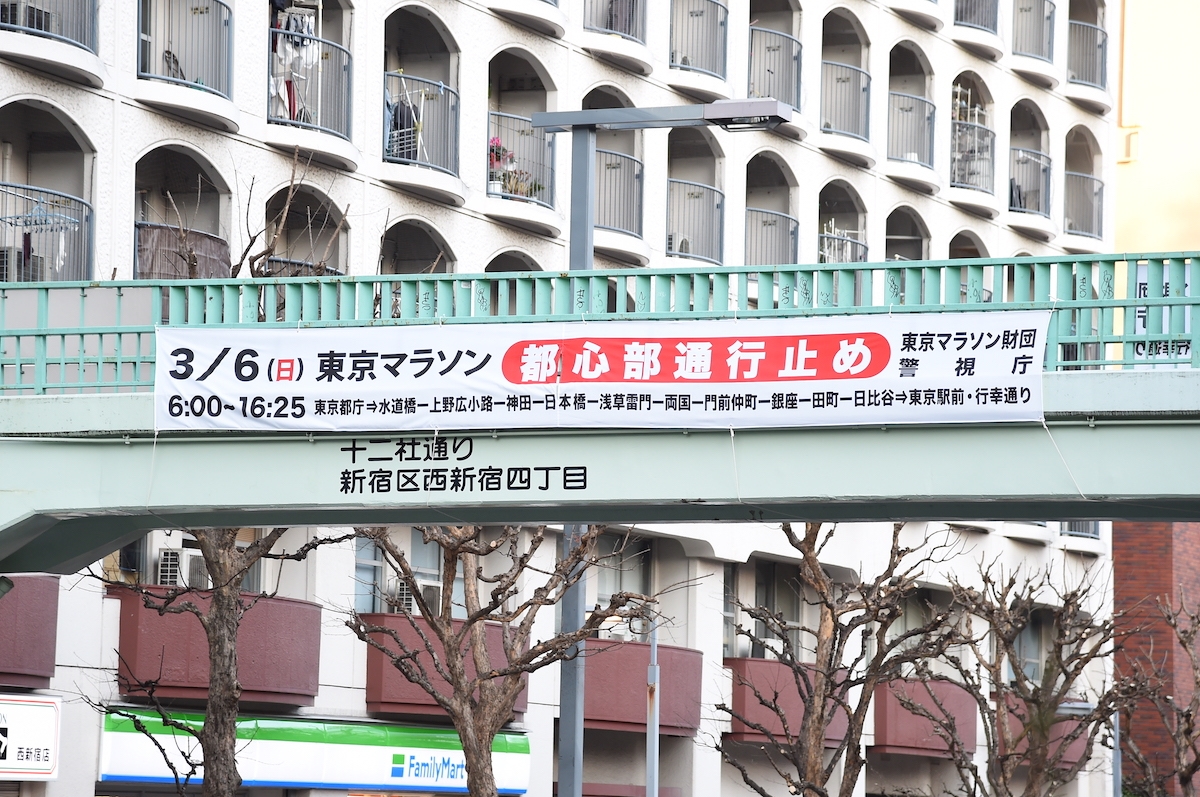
739	115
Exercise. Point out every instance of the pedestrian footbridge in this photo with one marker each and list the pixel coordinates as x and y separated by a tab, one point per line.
82	468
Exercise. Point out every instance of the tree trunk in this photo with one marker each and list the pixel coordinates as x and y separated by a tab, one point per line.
219	737
477	751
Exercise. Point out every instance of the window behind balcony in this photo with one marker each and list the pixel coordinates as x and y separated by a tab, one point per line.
1030	646
624	567
777	589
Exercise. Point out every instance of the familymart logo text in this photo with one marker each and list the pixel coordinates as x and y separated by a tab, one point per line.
430	768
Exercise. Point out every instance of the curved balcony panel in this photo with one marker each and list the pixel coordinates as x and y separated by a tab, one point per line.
840	249
69	21
309	84
925	13
1029	181
29	632
389	692
770	678
1087	68
543	16
972	157
976	27
1083	208
200	107
845	100
899	731
187	43
618	192
520	160
279	650
615	30
772	238
910	129
44	235
53	36
163	252
1033	42
695	221
698	36
420	122
612	702
774	66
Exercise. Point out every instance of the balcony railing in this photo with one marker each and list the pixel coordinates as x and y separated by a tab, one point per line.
609	703
910	129
1081	528
309	83
840	249
623	17
1033	29
774	66
618	192
1087	55
420	122
71	21
1029	181
164	252
695	221
982	14
279	650
29	632
897	730
774	681
188	43
520	160
973	157
698	33
45	236
771	238
845	100
1084	209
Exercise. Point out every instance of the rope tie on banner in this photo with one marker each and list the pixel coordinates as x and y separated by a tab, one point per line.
737	479
1063	459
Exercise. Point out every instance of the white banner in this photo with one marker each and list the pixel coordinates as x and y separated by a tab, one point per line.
29	737
749	373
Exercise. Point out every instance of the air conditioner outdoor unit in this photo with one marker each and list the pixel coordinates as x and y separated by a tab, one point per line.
181	567
679	243
399	597
13	267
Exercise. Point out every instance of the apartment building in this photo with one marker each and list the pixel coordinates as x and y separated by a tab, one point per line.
986	133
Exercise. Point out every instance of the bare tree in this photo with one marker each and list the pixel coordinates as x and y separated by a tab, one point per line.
1036	658
505	585
1172	709
219	611
835	663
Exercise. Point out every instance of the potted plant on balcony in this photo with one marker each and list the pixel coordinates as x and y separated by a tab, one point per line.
500	164
520	183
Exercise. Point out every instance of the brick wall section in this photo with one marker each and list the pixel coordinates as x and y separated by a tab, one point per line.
1152	560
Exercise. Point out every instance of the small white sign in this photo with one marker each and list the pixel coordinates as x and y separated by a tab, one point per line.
29	735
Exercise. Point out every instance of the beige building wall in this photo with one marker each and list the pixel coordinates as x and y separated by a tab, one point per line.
1158	168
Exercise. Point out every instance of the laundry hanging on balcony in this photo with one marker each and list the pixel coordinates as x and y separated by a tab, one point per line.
295	58
39	219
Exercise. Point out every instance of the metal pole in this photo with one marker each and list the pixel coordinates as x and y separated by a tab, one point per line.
570	688
652	701
570	694
1116	756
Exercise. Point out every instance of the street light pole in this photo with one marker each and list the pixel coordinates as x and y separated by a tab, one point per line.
756	114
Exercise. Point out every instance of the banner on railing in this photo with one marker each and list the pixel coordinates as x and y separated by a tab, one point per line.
704	374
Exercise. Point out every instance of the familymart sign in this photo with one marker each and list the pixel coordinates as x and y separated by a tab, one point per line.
312	754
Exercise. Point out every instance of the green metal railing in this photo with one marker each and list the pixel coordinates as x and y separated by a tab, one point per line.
1110	311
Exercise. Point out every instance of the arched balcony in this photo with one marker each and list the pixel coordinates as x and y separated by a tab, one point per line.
1087	57
421	106
1083	202
845	90
414	247
1029	170
45	222
907	236
55	36
182	207
1033	41
695	206
911	120
972	147
312	235
842	220
775	51
619	185
699	44
309	83
772	231
615	31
